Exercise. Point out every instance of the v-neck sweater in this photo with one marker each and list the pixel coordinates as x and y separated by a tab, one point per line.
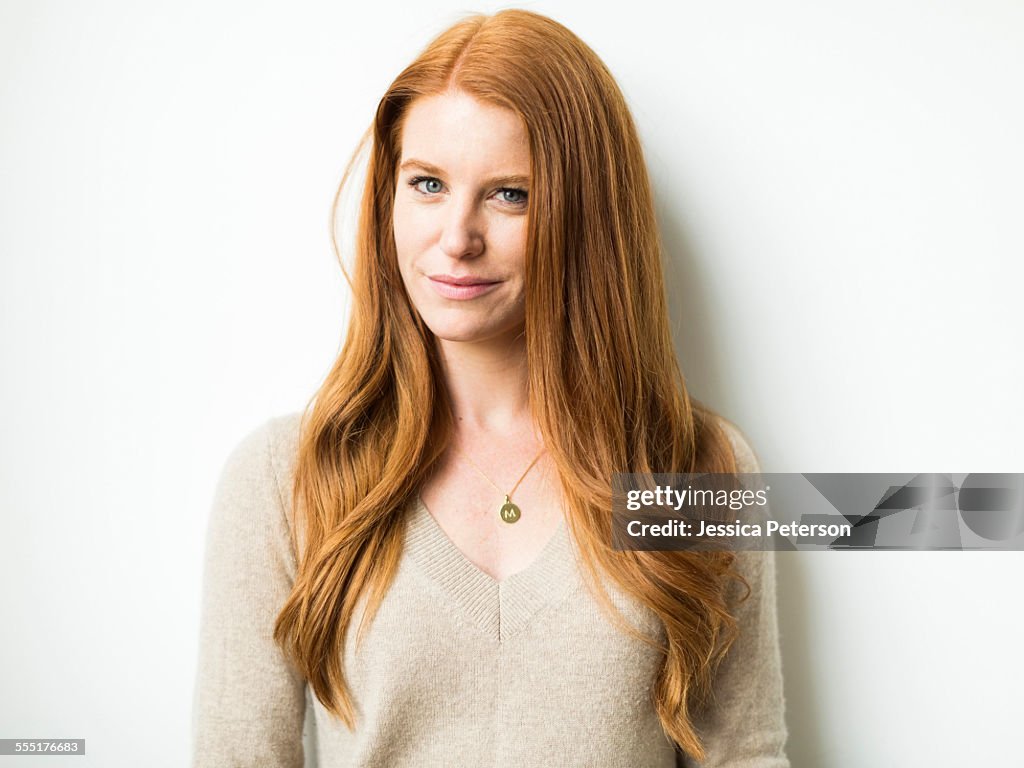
456	668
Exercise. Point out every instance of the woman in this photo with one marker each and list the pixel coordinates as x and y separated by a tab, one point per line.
427	549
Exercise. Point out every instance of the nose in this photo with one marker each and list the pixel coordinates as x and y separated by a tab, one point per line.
462	234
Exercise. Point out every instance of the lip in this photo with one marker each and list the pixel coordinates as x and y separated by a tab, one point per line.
463	287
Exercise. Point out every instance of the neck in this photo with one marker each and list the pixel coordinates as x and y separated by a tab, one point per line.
488	385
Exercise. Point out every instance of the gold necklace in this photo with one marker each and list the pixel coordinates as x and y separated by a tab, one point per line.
509	512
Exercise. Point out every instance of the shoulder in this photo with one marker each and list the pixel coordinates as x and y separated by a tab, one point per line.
746	459
757	567
283	437
249	519
265	456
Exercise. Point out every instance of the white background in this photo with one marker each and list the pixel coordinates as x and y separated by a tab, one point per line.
840	186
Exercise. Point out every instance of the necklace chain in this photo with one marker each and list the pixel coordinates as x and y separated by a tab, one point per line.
509	512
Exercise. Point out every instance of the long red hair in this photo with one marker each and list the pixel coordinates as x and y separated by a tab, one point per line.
604	383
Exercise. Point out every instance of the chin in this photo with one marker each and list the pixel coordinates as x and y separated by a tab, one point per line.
466	330
464	334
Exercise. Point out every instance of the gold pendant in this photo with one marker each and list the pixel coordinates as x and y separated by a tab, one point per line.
509	512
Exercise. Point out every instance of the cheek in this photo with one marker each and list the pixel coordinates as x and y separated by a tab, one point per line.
513	243
412	229
400	230
412	241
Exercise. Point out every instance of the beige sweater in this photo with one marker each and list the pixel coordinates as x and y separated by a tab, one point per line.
456	669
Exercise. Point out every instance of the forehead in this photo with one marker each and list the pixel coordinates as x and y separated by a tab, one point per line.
463	135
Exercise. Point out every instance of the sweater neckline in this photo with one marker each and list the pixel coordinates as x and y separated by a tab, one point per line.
502	608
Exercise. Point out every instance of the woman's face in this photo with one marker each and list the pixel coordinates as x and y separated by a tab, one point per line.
460	216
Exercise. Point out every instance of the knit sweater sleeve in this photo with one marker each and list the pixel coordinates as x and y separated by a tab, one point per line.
249	702
744	724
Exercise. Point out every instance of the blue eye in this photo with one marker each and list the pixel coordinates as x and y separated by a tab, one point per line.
513	196
426	184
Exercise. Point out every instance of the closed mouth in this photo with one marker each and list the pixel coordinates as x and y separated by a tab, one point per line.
464	280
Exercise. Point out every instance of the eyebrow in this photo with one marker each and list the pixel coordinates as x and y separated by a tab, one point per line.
434	170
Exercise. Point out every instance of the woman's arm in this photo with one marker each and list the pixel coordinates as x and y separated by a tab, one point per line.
744	725
249	702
